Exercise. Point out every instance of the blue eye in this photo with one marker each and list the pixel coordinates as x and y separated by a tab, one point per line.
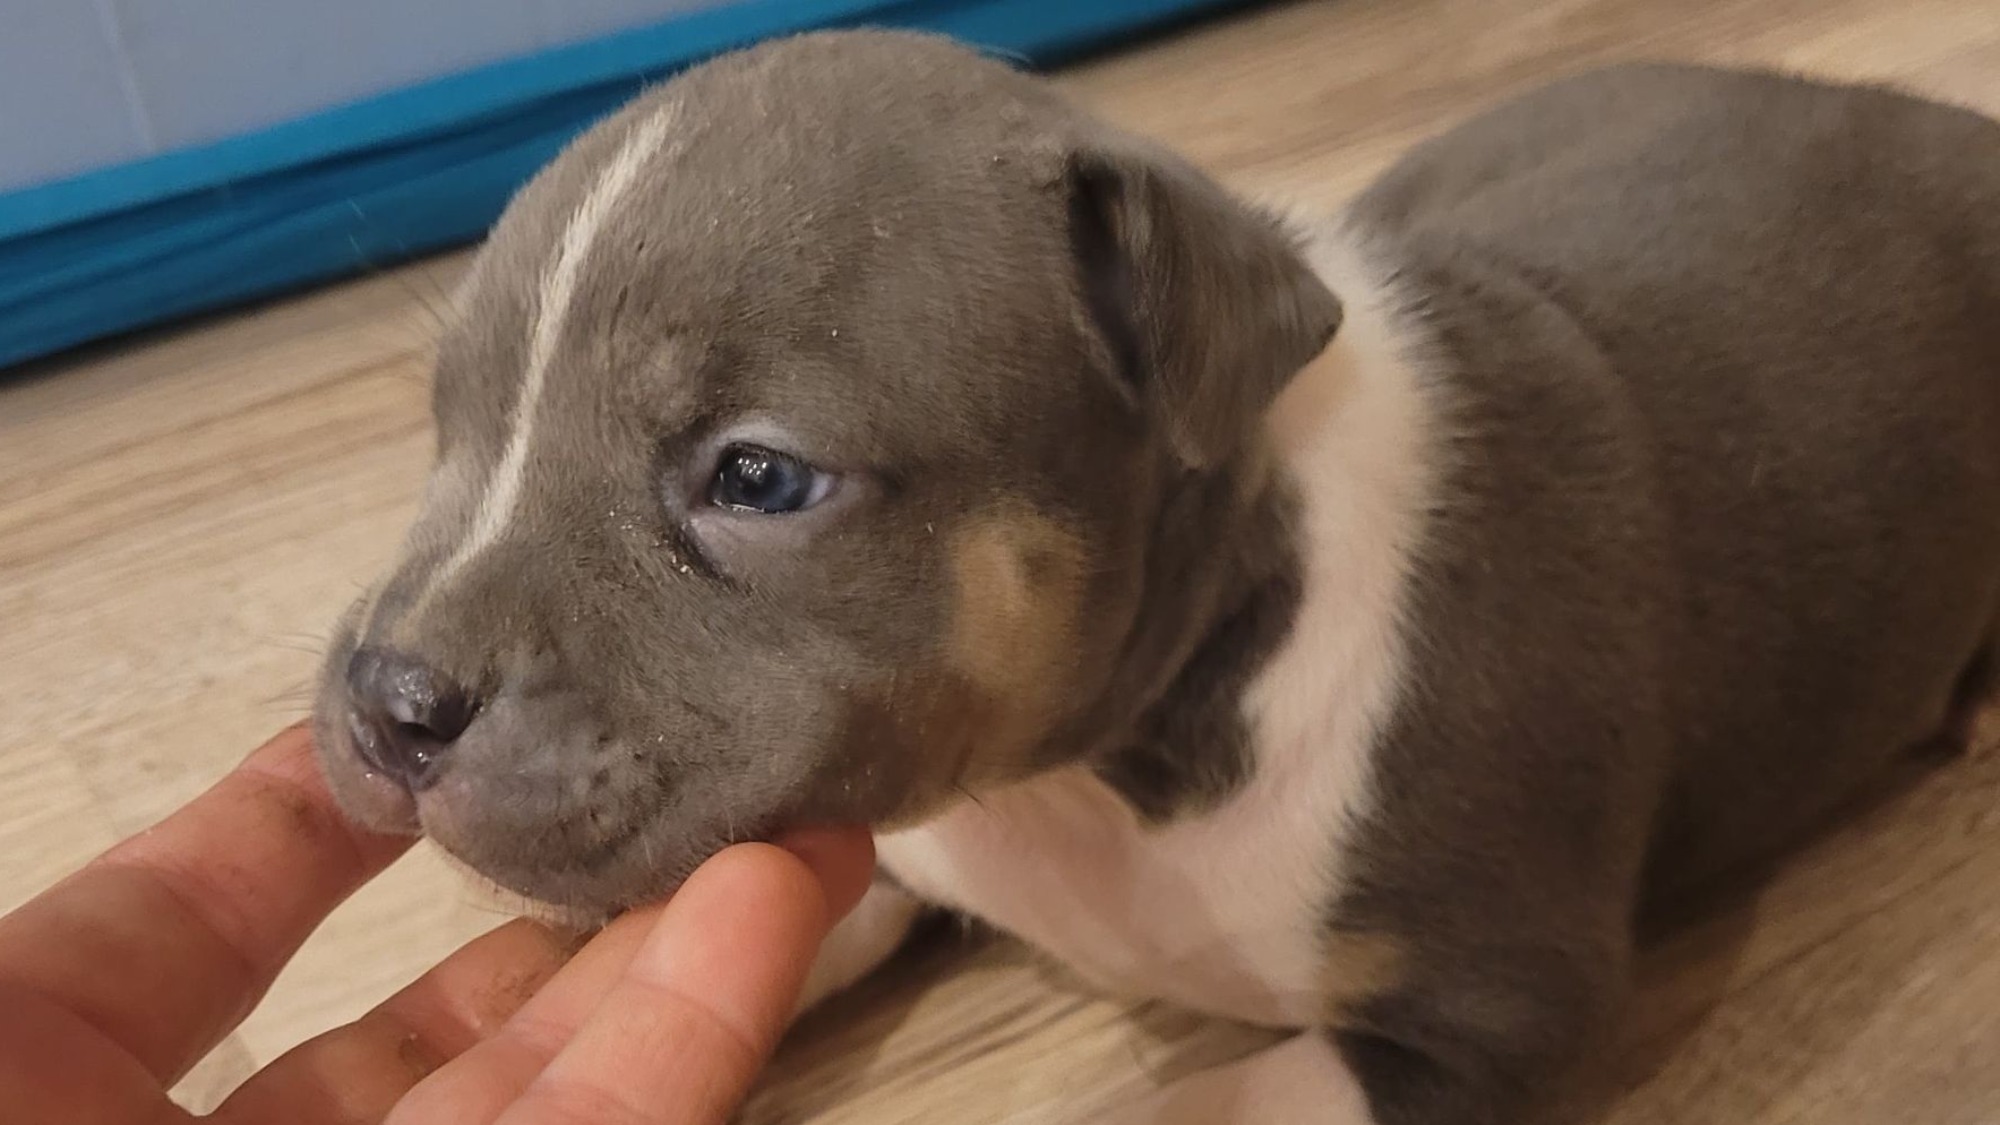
754	479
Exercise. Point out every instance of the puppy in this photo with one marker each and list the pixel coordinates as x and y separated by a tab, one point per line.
1348	625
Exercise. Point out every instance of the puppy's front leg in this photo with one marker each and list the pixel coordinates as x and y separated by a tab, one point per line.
1301	1081
862	941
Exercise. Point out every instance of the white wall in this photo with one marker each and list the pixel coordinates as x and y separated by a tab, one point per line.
87	83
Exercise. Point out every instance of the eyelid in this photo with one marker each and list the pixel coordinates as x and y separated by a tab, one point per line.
766	432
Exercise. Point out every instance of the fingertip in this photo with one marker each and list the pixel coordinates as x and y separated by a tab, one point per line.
288	753
841	858
754	872
814	876
290	761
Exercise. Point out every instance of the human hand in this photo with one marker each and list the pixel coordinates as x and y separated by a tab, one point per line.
119	979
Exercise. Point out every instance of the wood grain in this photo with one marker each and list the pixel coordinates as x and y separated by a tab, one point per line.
181	517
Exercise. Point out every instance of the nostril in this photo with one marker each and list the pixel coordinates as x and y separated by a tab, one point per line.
420	747
428	704
407	713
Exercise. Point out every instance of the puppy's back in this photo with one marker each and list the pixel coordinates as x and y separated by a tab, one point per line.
1788	297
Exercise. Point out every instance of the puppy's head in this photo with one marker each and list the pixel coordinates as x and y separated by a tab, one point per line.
801	433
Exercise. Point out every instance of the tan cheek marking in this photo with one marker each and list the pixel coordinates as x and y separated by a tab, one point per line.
1015	609
1015	615
1359	966
973	715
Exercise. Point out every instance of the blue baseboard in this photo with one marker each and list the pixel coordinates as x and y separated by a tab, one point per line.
368	185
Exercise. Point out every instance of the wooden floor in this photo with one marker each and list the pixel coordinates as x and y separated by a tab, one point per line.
181	518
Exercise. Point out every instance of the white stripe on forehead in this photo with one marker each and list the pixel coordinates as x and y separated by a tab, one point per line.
554	298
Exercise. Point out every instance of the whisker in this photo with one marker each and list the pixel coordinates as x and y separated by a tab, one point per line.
290	698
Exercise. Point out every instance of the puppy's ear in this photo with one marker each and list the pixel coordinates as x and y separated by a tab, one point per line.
1207	305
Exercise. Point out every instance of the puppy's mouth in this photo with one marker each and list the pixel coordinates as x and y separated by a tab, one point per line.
580	827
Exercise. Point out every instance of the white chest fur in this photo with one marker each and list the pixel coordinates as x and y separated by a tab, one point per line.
1225	912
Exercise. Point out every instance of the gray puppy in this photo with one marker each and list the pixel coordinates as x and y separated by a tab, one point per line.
1350	625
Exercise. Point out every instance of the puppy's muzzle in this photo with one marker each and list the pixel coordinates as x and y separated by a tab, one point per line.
405	714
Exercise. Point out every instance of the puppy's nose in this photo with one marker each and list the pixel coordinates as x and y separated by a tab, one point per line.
406	713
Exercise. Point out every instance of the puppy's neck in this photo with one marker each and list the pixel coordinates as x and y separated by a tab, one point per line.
1311	529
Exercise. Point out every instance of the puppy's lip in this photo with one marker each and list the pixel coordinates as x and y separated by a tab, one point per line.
612	874
369	798
381	804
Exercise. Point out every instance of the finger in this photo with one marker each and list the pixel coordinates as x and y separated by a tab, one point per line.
56	1067
354	1075
477	1085
699	1008
165	942
842	858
